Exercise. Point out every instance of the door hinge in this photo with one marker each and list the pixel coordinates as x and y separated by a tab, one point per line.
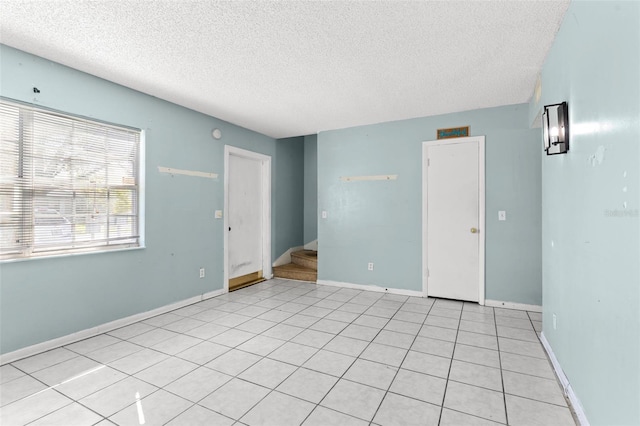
428	272
428	162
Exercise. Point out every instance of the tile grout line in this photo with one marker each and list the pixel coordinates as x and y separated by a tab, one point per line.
403	358
504	393
453	352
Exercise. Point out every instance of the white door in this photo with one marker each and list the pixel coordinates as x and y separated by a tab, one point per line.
453	218
247	216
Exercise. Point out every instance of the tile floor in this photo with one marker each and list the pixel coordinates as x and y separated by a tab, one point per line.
290	353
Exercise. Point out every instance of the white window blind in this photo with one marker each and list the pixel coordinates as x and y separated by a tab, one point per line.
66	183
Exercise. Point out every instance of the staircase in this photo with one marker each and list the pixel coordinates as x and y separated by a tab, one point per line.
303	267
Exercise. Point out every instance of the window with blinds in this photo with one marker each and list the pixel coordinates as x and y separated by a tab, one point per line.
66	184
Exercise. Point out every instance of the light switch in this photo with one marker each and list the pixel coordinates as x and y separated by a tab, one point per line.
502	215
324	214
218	214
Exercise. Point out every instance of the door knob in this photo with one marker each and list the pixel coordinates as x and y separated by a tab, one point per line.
474	230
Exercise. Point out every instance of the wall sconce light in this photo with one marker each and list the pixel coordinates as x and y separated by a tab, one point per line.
555	128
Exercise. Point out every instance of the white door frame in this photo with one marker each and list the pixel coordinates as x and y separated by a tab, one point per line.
481	209
265	161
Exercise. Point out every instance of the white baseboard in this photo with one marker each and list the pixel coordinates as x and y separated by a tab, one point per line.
564	381
313	245
513	305
286	256
100	329
412	293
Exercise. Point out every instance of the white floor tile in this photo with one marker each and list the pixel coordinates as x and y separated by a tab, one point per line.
309	385
270	411
329	326
447	313
256	325
322	416
268	373
261	345
400	410
138	361
94	380
114	352
235	398
19	388
66	370
393	338
198	383
176	344
371	321
477	375
477	339
184	325
518	333
233	362
354	399
527	365
476	401
478	327
439	333
165	372
524	385
44	360
152	337
433	346
198	415
203	352
524	411
156	409
293	353
420	386
389	355
70	415
131	330
232	338
329	362
371	374
89	345
427	364
8	372
314	338
412	328
346	346
114	398
476	355
29	409
456	418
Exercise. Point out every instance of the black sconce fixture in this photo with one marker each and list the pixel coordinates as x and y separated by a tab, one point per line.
555	128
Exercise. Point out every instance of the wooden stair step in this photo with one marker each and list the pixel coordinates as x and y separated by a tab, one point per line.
306	258
293	271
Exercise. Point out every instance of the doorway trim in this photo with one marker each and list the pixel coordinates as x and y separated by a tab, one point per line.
265	161
481	209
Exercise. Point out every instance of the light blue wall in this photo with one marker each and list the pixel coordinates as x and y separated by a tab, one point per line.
591	202
41	299
310	188
289	194
381	221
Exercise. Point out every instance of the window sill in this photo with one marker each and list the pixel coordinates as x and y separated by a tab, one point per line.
63	255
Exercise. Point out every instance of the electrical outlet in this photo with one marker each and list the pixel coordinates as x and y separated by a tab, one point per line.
370	266
201	272
324	214
502	215
555	322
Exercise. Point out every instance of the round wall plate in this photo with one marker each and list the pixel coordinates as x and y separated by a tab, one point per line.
216	133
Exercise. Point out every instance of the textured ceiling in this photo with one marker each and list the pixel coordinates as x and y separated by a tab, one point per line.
296	68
